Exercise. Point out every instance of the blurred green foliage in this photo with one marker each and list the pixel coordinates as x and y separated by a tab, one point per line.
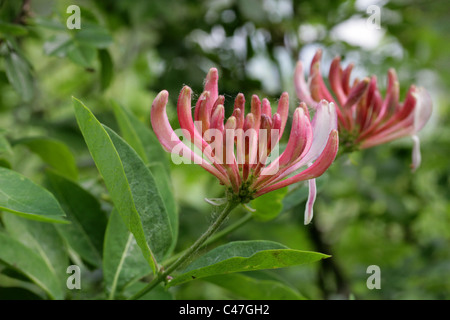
371	210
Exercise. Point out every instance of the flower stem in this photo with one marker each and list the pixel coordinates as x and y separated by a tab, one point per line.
189	252
218	235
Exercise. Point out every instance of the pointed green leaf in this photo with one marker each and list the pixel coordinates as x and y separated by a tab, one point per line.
29	263
242	256
86	231
129	183
147	198
23	197
144	142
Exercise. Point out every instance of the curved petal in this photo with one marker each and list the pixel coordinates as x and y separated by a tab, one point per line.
311	199
186	123
301	87
324	121
423	108
212	85
168	138
322	163
335	78
283	111
416	156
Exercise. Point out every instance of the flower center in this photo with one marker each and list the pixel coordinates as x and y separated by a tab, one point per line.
244	195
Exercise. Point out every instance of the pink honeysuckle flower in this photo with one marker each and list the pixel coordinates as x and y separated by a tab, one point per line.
366	119
238	151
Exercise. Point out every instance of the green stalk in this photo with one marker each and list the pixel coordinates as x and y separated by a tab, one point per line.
189	252
217	236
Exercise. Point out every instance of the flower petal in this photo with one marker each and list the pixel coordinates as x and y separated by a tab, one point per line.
283	111
169	139
301	87
335	78
423	108
322	163
212	85
311	199
416	156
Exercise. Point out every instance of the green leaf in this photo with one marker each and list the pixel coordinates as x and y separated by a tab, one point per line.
19	75
12	29
147	146
242	256
48	23
59	45
93	35
252	288
122	260
83	55
130	185
269	205
53	152
164	186
86	231
106	68
5	152
43	239
147	198
29	263
23	197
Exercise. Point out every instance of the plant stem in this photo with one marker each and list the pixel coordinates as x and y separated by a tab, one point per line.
189	252
213	238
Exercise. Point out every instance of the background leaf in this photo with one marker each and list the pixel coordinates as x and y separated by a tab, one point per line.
106	68
54	153
23	197
28	262
19	75
86	231
5	152
82	54
269	205
43	239
122	260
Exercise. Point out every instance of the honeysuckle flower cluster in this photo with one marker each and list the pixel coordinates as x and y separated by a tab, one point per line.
242	151
365	117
